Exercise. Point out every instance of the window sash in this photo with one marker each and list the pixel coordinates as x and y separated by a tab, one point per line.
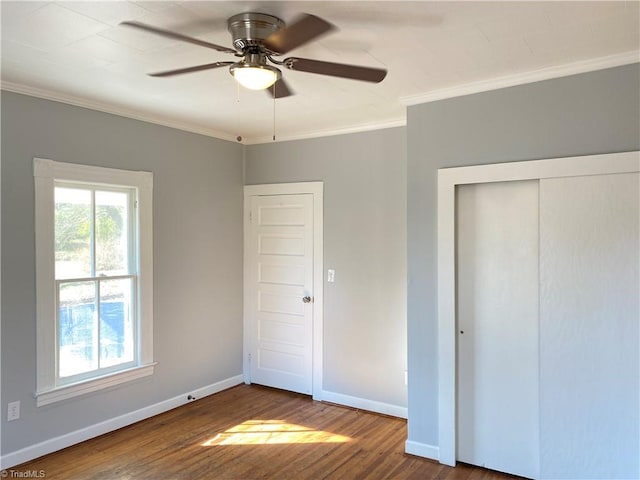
131	266
133	220
99	371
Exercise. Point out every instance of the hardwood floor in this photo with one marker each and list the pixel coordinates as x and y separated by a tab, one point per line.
252	432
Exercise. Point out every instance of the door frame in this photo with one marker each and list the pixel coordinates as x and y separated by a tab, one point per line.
317	190
448	179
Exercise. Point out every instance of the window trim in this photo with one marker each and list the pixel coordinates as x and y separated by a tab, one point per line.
46	173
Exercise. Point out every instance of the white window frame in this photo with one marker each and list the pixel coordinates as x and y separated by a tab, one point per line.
46	173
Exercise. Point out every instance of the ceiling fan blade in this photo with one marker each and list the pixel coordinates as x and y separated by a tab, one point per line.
280	89
197	68
354	72
304	29
176	36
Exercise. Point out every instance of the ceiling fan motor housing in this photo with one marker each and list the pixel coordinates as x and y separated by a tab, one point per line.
249	29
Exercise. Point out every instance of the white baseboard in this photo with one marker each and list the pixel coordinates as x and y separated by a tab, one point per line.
422	450
365	404
68	439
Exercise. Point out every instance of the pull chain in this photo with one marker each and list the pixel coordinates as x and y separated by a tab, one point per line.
238	113
274	112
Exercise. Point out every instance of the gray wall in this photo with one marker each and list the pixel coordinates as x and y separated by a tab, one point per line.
197	257
585	114
364	177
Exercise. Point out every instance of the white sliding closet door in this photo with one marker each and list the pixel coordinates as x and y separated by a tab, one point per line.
539	266
497	330
589	334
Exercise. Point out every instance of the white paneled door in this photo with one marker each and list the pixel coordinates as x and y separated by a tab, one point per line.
280	295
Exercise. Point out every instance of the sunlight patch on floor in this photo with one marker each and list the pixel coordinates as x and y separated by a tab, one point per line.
272	432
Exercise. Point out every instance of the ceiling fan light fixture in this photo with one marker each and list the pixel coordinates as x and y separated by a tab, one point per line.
255	77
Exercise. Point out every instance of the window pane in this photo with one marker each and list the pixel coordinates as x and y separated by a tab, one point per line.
112	225
72	232
116	326
78	332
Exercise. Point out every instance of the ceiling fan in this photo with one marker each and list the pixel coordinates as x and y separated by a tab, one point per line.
258	38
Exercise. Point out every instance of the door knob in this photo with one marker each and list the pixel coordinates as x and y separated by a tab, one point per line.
306	299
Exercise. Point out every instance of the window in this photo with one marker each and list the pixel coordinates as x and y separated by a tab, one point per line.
94	278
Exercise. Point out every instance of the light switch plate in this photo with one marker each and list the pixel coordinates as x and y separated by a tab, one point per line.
331	275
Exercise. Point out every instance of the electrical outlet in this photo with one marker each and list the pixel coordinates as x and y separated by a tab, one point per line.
13	411
406	378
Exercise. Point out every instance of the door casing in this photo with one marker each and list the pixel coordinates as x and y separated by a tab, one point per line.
317	190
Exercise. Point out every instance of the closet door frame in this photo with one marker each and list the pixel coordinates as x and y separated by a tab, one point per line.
448	179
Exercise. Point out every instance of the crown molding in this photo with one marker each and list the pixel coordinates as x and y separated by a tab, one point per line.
365	127
496	83
167	122
112	109
538	75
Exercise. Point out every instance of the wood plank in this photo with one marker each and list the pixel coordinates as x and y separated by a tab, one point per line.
253	432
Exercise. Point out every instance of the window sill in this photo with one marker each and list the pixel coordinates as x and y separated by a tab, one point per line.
65	392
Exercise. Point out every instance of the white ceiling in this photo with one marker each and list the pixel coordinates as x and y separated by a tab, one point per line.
76	52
